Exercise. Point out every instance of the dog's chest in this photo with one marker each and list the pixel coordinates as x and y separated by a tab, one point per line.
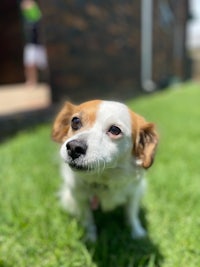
113	190
109	196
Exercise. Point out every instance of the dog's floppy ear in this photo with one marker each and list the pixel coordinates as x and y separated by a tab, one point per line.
62	122
145	140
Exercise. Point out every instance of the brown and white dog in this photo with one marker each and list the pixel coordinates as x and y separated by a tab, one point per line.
105	149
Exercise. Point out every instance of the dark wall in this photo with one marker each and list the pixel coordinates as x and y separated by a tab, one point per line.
11	43
93	47
170	59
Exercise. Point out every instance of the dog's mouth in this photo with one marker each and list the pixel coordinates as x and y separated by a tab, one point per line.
79	167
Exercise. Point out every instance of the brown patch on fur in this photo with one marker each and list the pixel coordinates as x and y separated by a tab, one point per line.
86	112
145	140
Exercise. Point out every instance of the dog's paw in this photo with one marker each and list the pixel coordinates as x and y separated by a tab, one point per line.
91	235
138	232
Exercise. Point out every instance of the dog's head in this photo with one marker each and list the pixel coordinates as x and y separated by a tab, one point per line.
103	134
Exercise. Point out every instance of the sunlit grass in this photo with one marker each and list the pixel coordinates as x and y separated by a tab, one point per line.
35	231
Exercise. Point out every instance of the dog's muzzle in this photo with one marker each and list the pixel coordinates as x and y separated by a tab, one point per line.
76	150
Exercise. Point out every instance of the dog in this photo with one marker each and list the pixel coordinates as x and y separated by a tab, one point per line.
105	148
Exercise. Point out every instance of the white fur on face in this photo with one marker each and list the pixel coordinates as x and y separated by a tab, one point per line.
104	150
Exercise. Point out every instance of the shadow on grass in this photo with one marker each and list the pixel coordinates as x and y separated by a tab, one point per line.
115	246
4	264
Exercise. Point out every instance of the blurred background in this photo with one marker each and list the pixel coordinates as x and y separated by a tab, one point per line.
108	49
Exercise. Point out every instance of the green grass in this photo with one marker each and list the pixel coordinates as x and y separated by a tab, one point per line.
34	230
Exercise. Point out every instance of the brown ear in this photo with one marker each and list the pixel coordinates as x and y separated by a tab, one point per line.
146	145
145	140
62	122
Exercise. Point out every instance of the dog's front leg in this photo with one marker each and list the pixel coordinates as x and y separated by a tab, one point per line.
79	206
133	206
87	221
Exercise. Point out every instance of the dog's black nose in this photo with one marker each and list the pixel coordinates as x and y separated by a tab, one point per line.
76	148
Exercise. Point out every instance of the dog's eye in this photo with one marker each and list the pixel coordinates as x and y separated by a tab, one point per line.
114	130
76	123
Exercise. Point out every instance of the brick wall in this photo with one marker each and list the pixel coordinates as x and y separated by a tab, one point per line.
93	47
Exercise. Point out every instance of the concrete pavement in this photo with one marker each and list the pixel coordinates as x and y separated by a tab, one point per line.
17	98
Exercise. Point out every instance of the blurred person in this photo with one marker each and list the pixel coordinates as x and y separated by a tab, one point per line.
34	54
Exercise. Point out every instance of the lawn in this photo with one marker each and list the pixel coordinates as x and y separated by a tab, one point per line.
35	231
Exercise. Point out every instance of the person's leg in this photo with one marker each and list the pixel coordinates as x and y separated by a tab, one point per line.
30	67
31	75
